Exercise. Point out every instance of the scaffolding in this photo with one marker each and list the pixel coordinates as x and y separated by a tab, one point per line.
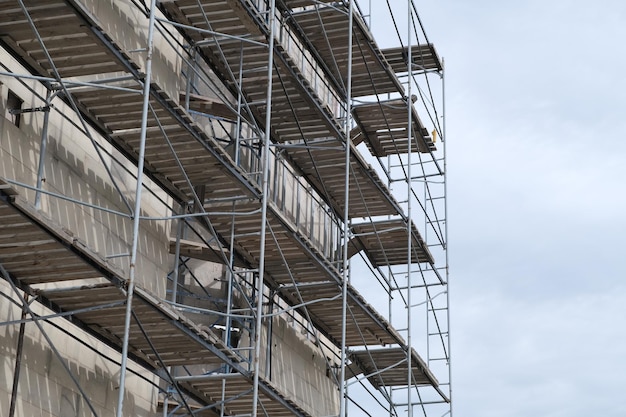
221	185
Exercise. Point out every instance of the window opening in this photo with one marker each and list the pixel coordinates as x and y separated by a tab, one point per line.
14	108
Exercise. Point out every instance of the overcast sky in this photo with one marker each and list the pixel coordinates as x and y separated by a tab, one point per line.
537	165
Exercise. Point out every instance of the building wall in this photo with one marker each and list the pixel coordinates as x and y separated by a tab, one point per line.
302	370
128	28
45	388
73	168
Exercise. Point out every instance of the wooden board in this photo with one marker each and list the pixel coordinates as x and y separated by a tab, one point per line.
365	326
383	125
386	243
49	254
424	58
197	250
389	367
235	391
323	163
327	30
79	54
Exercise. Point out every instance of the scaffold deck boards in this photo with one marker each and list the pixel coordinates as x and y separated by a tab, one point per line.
291	258
169	145
386	243
287	247
290	90
294	115
383	126
74	49
325	167
325	28
235	391
170	333
365	326
424	57
389	367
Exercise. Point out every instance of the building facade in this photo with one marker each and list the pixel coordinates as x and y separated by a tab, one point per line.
220	208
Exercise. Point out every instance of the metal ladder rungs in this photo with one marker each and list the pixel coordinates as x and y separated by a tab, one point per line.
240	235
255	103
436	221
245	271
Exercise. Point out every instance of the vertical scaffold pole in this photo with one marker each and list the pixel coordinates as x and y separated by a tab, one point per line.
42	149
445	216
409	212
346	215
264	201
137	210
18	358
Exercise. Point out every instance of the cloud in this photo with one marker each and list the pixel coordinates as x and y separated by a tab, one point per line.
519	357
536	162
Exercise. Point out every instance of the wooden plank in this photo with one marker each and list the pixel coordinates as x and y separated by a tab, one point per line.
394	362
209	105
386	243
7	188
384	124
201	251
326	29
324	167
424	57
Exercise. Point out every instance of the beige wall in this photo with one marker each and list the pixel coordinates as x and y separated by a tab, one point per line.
128	28
73	169
45	387
300	370
299	367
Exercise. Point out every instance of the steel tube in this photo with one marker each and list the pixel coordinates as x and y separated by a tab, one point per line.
346	230
137	210
409	213
264	198
445	210
18	359
43	332
42	149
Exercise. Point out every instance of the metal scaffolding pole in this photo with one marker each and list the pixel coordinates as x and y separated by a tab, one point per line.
26	306
43	146
264	202
409	212
18	358
445	191
137	210
346	229
276	67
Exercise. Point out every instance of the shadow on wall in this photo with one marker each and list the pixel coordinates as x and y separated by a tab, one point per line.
72	171
45	385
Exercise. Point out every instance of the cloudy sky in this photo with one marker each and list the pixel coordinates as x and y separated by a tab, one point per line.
537	168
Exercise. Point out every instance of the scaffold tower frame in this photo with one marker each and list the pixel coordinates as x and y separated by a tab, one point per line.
218	194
